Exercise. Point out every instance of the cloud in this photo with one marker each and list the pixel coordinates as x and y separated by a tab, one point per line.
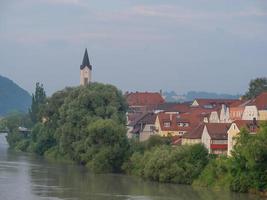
72	2
177	12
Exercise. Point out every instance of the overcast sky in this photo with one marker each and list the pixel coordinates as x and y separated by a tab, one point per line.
181	45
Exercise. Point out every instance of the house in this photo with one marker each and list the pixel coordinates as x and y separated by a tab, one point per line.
218	109
250	112
193	136
131	119
24	131
144	126
256	108
237	109
250	125
261	104
168	124
214	137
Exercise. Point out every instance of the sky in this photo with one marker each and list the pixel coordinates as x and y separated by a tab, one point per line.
148	45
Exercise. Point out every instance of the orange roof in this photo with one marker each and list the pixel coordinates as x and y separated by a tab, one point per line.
144	99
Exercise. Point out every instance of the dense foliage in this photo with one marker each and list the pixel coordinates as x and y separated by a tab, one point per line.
83	124
12	97
168	164
246	170
38	99
11	123
256	87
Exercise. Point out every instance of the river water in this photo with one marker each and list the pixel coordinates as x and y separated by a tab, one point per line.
28	177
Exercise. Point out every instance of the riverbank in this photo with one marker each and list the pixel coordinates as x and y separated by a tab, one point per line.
36	178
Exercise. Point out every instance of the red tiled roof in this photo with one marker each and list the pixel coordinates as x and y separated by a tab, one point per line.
239	103
144	99
202	111
218	131
174	119
132	117
203	102
195	133
260	101
250	125
179	107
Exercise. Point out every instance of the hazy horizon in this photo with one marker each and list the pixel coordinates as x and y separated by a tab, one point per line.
179	45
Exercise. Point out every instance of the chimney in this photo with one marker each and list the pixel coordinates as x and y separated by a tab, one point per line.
160	91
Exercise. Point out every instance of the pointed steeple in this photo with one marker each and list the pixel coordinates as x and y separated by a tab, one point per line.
86	62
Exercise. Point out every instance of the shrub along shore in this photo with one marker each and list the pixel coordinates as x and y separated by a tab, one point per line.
86	125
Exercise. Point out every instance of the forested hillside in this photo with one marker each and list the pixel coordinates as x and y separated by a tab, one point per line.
12	97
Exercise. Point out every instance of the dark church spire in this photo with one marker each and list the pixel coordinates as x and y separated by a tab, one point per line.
86	62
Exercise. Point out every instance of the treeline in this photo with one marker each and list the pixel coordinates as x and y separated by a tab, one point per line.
86	125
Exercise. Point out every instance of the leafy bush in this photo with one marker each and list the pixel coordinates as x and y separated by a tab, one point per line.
167	164
215	174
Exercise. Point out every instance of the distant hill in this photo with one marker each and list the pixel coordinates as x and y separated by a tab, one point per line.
190	96
12	97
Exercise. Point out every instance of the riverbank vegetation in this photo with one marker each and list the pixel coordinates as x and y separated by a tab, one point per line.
168	164
245	170
86	125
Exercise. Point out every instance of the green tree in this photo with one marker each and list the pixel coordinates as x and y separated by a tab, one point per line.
106	146
256	87
249	161
81	124
38	99
11	123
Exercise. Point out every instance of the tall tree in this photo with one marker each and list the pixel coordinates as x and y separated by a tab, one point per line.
256	87
38	99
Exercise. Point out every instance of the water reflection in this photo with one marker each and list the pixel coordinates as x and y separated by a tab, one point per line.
26	177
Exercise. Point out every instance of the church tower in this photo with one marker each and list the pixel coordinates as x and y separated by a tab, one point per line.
85	70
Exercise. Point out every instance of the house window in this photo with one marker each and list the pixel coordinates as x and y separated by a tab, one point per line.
183	124
167	124
180	132
152	128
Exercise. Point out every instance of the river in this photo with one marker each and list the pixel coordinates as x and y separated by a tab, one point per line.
28	177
